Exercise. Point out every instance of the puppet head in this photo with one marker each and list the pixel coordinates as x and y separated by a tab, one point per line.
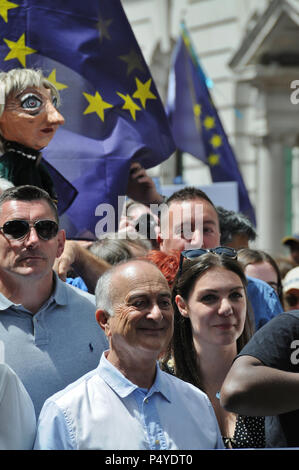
28	108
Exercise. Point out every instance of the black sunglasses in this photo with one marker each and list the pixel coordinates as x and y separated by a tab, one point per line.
17	229
195	253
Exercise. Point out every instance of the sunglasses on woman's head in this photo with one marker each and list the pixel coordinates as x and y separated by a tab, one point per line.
196	252
17	229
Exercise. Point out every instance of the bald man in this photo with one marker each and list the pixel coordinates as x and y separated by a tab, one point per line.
128	403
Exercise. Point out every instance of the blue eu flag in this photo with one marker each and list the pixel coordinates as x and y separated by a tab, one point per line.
195	123
113	113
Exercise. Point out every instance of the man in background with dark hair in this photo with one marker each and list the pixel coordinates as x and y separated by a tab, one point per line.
191	221
236	229
292	242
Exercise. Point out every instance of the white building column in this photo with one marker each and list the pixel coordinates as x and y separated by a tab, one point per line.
271	194
295	190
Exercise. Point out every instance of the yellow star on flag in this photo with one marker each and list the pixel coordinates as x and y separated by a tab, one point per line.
216	141
18	50
130	105
197	109
186	41
209	122
143	92
103	26
197	113
133	60
52	79
213	159
96	105
4	7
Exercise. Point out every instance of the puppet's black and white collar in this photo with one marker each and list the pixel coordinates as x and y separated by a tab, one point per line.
21	150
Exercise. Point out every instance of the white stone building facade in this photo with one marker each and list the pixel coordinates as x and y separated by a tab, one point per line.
250	51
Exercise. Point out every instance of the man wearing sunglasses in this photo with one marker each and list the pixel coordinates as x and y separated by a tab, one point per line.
48	328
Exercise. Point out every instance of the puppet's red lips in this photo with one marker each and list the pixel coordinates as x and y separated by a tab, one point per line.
47	130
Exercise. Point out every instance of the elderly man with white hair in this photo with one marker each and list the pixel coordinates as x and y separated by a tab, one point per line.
127	402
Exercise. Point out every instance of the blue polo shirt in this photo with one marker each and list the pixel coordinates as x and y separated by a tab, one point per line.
55	346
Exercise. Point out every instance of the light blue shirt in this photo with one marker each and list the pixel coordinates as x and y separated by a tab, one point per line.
264	301
105	411
54	347
77	282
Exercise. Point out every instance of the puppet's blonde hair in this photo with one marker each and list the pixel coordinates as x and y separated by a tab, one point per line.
17	80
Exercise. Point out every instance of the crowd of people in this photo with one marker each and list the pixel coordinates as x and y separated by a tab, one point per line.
172	333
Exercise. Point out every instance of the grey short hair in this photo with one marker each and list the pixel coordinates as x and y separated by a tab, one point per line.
103	292
17	80
105	287
114	250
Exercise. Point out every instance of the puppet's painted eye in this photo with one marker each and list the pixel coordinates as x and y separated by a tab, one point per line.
54	101
31	102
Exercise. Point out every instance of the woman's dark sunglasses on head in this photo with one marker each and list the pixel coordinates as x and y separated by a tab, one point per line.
18	229
196	252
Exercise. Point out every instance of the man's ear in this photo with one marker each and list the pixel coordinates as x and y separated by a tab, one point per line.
61	241
182	306
102	318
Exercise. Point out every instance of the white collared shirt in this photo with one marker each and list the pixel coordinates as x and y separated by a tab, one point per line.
17	416
104	410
